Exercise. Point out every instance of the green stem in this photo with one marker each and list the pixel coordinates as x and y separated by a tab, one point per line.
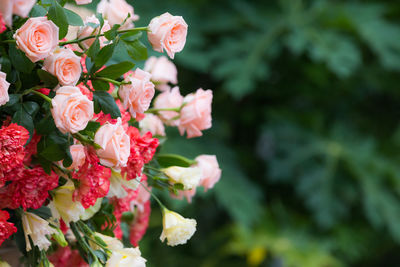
82	241
111	81
9	41
156	110
153	195
99	35
33	90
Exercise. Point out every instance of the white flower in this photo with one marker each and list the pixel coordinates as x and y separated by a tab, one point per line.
118	185
126	257
177	229
38	229
63	205
189	177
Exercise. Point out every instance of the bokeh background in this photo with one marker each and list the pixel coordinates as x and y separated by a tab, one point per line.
305	127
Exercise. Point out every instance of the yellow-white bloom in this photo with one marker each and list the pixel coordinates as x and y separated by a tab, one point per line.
92	210
63	205
189	177
126	257
38	229
4	264
111	242
177	229
117	184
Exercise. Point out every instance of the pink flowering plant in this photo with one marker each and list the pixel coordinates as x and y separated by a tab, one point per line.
80	137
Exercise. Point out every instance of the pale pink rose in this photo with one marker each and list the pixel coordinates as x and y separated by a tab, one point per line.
37	38
71	109
137	95
116	11
196	113
4	85
162	71
211	173
115	145
87	30
83	2
169	99
78	156
23	7
168	33
151	123
6	10
188	194
65	65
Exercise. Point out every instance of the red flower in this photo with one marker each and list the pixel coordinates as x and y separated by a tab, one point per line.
94	181
2	24
12	140
148	146
6	228
29	188
139	227
66	257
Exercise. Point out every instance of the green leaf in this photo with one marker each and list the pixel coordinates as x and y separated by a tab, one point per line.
23	118
136	50
45	126
105	54
91	128
105	102
53	152
43	212
100	85
13	99
37	11
168	160
19	60
111	34
49	79
131	36
58	16
94	49
31	107
117	70
73	18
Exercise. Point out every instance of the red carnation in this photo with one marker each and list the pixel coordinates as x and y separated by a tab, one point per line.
2	24
12	140
29	188
6	228
94	181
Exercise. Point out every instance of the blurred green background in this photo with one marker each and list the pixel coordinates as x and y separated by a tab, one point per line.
305	127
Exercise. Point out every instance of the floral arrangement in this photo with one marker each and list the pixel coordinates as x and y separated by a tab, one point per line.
80	136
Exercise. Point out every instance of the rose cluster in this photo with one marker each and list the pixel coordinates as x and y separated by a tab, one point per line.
80	138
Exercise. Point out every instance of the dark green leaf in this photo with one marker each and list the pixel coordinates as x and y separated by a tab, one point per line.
31	108
53	152
19	60
100	85
49	79
94	49
168	160
37	11
111	34
58	16
106	103
73	18
45	126
43	212
117	70
105	54
21	117
136	50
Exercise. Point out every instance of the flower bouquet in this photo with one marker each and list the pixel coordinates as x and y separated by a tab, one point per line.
80	133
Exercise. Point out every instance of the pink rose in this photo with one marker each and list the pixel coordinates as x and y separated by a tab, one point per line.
162	71
115	145
211	173
88	30
65	65
137	95
37	38
78	156
116	11
83	2
169	99
23	7
4	85
71	109
151	123
196	113
167	32
6	10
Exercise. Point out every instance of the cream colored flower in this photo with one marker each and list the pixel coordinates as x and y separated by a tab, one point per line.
4	264
63	205
189	177
38	229
118	183
177	229
126	257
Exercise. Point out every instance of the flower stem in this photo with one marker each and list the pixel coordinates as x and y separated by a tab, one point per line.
33	90
9	41
111	81
99	35
153	195
156	110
